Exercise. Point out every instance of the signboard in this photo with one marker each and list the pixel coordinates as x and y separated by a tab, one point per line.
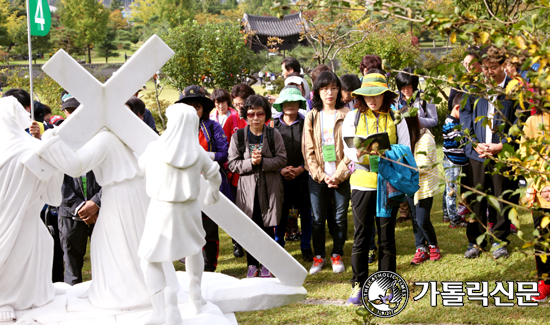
40	17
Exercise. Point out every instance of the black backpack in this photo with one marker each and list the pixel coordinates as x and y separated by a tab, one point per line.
270	140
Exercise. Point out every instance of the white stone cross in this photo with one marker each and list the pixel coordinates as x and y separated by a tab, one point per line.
102	105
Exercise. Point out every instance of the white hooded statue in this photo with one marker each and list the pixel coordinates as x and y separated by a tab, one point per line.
26	184
173	228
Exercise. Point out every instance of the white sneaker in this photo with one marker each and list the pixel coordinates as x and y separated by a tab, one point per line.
337	264
318	263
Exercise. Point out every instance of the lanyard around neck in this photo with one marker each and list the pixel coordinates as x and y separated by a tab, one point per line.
377	122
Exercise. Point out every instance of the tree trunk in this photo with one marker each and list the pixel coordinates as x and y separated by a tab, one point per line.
89	54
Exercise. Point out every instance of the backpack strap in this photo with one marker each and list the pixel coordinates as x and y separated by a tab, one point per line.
357	119
240	142
271	140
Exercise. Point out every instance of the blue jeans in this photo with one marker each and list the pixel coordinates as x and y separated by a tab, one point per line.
280	230
452	172
319	193
424	232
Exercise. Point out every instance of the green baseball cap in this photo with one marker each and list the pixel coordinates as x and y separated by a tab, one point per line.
289	94
374	84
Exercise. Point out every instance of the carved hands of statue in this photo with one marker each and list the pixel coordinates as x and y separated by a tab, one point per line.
212	196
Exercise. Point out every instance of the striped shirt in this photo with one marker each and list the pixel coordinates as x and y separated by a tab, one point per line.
425	154
452	148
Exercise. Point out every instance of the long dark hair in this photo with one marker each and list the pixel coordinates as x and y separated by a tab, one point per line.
413	123
325	79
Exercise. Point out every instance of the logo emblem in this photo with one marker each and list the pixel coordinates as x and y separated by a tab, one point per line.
385	294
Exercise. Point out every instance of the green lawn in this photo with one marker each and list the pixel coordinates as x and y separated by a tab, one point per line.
327	292
95	58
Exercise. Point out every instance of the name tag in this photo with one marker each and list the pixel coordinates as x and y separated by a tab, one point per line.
329	152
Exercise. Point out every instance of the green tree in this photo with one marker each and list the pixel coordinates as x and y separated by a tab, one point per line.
213	55
88	18
107	48
116	5
396	50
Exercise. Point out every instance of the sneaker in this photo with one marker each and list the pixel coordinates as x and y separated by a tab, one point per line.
337	263
435	255
252	271
446	218
264	272
460	223
307	254
420	256
462	210
472	252
318	263
354	299
372	256
513	230
502	251
544	292
237	250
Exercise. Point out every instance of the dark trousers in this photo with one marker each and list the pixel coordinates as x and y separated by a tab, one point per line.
424	232
305	217
364	217
212	246
259	220
50	219
319	194
542	267
74	239
498	184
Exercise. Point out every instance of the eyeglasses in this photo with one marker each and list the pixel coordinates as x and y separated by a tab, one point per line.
257	114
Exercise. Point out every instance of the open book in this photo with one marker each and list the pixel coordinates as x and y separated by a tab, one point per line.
361	142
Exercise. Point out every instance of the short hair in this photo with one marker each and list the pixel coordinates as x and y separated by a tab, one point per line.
493	54
458	99
473	51
326	78
254	101
242	90
21	95
350	82
318	70
136	105
517	64
403	79
70	110
291	63
221	95
370	62
376	70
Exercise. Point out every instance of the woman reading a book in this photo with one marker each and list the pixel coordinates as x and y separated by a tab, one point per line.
373	115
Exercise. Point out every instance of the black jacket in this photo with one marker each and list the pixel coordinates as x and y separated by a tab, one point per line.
73	195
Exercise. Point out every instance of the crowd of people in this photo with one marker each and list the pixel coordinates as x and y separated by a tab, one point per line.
288	158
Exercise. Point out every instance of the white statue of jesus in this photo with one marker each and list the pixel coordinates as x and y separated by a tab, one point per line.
173	227
26	184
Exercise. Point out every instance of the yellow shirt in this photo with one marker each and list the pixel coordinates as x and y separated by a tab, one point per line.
425	155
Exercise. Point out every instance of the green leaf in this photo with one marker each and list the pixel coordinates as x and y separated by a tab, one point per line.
480	239
494	202
479	118
513	216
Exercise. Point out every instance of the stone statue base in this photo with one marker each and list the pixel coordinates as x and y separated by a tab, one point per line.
225	295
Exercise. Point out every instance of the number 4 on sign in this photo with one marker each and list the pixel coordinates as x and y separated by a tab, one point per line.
41	19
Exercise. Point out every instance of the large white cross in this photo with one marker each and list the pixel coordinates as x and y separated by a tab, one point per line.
102	105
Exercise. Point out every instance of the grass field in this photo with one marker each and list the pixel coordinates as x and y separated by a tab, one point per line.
328	292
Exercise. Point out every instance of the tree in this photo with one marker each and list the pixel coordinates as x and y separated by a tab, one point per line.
108	46
116	5
396	50
88	19
174	12
117	21
329	33
213	55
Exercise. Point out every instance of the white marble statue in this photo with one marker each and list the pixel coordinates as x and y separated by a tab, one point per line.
117	279
26	184
173	229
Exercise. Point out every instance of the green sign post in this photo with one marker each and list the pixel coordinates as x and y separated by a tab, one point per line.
39	21
40	17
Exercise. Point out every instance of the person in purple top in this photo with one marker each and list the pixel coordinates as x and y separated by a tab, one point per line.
212	138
